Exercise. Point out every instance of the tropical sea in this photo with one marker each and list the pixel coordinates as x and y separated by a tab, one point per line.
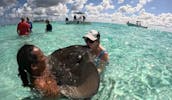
140	66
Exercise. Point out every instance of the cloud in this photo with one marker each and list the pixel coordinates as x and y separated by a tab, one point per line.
25	10
107	4
4	3
1	11
103	17
78	5
48	3
131	10
37	11
126	9
59	9
91	9
97	9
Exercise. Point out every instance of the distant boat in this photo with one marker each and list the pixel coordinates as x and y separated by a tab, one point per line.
77	22
138	24
78	18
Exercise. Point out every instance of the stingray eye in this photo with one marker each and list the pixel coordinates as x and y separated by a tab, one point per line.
79	58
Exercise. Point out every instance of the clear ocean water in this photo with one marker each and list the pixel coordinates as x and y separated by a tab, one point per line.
140	65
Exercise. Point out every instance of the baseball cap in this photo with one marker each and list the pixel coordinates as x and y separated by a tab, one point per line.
92	35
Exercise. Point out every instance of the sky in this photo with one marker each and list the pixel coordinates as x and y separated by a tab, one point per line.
151	12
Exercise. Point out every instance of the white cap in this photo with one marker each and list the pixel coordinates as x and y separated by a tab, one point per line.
92	35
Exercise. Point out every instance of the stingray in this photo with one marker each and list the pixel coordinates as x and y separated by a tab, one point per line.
75	73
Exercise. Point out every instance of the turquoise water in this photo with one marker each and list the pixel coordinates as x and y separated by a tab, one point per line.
140	65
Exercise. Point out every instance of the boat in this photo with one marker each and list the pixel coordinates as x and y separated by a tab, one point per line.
138	24
78	18
77	22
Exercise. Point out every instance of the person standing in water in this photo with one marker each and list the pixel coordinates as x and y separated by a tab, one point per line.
30	23
48	26
101	57
23	28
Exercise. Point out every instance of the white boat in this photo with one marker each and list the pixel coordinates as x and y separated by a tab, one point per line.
138	24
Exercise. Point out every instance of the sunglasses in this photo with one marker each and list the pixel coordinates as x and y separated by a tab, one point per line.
87	40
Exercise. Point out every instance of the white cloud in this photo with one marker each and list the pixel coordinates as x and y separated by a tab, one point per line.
78	5
48	3
52	12
93	9
103	17
6	5
107	4
1	11
126	9
39	11
131	10
97	9
54	7
25	10
59	9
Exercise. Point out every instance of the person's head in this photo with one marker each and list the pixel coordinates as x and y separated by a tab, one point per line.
47	21
92	39
27	56
67	19
22	19
27	18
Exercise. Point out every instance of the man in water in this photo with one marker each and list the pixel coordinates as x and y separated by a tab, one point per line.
23	28
30	23
48	26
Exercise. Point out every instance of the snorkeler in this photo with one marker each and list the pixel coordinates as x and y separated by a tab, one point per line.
56	74
101	57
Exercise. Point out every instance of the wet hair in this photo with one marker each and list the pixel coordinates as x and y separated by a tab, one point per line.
47	21
22	19
98	36
25	58
27	18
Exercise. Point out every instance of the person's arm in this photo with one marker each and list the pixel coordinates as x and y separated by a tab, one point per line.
46	28
47	87
104	61
28	27
18	31
31	25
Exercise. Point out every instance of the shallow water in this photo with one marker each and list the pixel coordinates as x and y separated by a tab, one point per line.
140	65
